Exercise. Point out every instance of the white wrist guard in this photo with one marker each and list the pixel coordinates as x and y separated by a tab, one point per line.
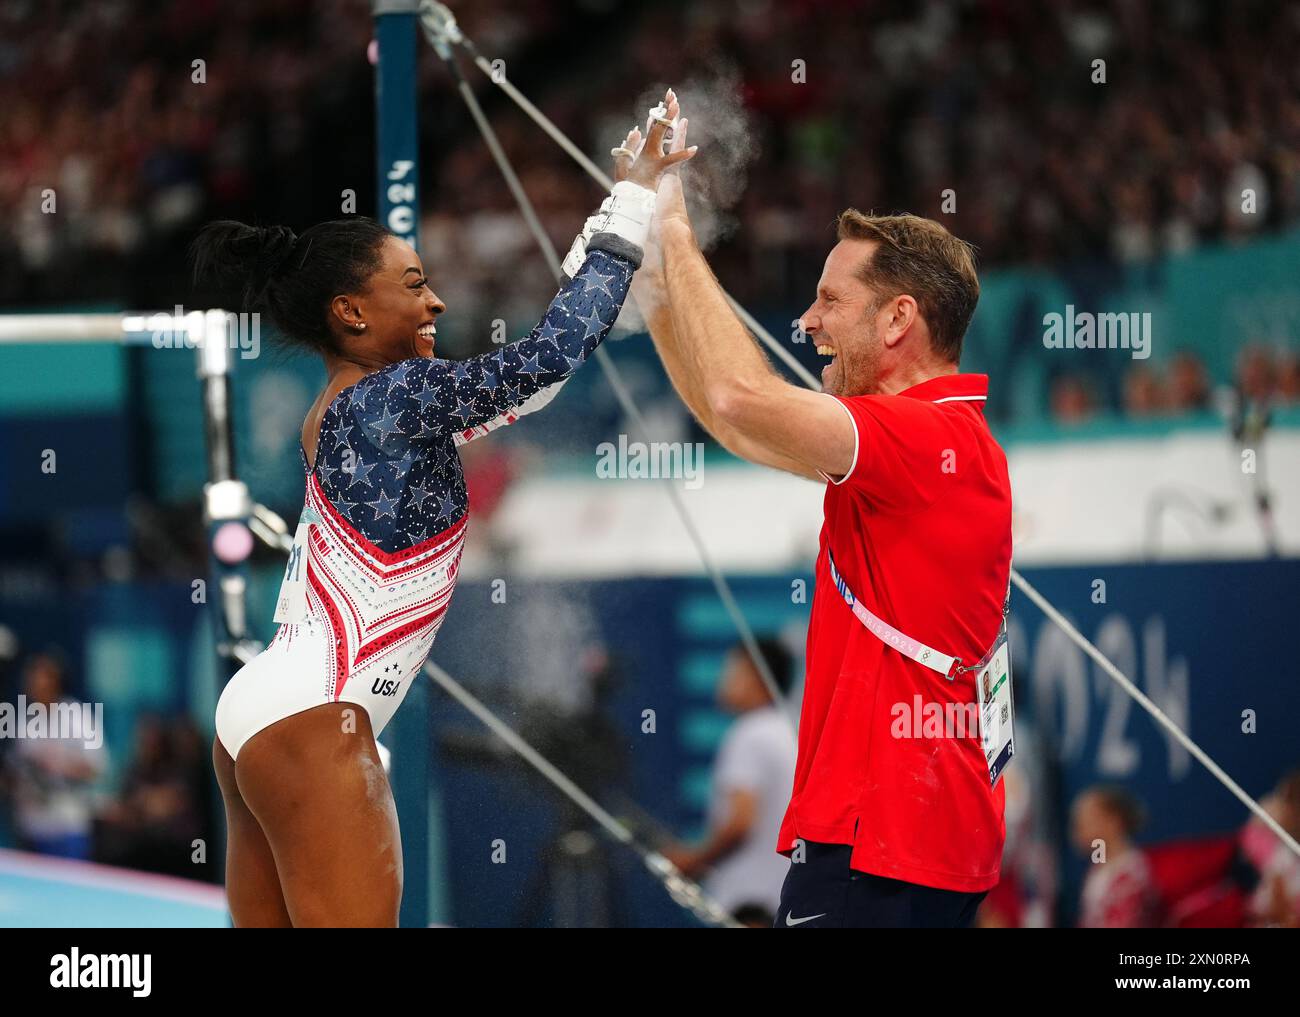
578	252
620	227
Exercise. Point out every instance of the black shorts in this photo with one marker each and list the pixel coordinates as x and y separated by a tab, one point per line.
822	892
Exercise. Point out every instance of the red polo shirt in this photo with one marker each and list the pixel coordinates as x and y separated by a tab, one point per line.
921	531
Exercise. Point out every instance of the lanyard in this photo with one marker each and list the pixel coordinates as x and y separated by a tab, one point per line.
942	663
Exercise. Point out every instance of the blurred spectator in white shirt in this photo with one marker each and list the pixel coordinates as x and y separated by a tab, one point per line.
52	774
752	778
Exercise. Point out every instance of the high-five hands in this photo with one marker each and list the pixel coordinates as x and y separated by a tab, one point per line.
647	163
648	148
629	209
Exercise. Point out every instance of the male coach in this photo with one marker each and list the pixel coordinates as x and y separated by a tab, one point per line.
889	825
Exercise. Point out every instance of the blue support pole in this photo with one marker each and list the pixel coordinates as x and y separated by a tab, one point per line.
396	119
398	164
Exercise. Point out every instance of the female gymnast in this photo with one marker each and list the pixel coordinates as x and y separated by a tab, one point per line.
312	829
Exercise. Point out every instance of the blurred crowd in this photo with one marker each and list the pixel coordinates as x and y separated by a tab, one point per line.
1265	379
1247	878
140	121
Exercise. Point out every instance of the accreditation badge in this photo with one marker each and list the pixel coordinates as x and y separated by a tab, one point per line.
993	693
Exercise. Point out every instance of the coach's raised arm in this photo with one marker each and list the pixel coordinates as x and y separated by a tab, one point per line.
896	820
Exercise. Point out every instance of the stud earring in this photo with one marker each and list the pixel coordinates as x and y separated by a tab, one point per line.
360	326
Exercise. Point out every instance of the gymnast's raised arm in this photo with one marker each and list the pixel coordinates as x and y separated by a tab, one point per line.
473	396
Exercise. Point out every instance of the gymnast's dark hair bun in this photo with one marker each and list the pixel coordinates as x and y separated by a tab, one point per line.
292	278
239	258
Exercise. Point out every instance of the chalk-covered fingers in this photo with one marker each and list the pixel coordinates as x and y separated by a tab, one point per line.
653	161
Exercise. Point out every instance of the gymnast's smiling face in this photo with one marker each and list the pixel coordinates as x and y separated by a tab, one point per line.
397	307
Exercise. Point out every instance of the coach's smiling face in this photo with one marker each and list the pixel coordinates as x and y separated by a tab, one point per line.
854	324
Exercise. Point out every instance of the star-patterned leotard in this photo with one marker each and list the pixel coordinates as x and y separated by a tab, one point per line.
379	543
